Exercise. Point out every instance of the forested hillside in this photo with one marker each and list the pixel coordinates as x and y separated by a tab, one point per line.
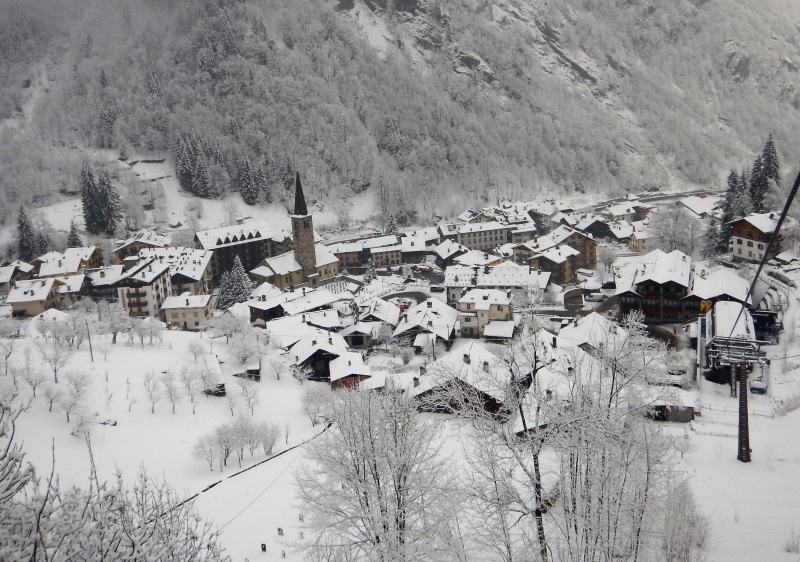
433	104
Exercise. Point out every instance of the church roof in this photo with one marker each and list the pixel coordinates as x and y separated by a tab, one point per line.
299	199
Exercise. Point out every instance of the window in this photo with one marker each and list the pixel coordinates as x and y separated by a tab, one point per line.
761	246
749	244
738	240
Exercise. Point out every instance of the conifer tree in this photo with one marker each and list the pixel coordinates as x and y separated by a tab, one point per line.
74	239
43	244
247	186
26	238
104	206
235	286
262	186
759	184
201	180
769	157
88	189
392	227
103	78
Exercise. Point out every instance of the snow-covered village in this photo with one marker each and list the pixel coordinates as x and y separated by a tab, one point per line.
399	281
278	380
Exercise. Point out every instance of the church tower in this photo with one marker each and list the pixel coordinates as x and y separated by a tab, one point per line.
303	233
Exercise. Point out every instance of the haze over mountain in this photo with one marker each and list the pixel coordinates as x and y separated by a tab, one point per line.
434	105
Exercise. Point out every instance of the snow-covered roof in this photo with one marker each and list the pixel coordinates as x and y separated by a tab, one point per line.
306	347
656	266
477	257
146	271
384	311
499	329
707	284
7	272
384	249
266	290
349	363
621	229
103	276
449	248
51	315
563	232
507	274
72	283
588	220
188	262
186	300
31	290
282	264
483	299
557	254
428	234
767	222
366	328
326	319
288	330
312	300
378	241
71	261
146	237
594	330
232	235
480	227
431	316
471	363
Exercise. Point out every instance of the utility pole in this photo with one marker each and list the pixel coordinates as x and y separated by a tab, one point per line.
744	429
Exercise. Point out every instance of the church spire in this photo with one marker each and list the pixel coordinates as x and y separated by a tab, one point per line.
299	199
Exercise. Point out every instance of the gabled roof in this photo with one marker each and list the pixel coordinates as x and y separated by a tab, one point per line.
449	248
384	311
563	232
333	344
482	299
232	235
7	272
186	301
557	254
707	284
146	272
72	283
594	330
312	300
480	227
146	237
348	364
477	257
485	371
191	263
431	316
701	206
658	267
31	290
507	274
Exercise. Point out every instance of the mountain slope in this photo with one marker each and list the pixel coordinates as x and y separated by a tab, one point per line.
434	104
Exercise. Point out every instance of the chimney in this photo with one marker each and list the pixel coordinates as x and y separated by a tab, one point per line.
349	363
466	358
422	370
313	342
102	274
486	297
304	318
486	366
430	304
187	302
330	341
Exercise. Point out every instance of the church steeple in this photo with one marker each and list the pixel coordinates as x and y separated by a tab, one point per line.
299	199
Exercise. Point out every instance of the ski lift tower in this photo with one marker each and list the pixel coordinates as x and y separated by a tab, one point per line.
730	341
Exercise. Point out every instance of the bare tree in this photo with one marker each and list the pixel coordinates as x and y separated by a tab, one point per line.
268	434
245	347
314	399
606	255
151	388
206	449
34	378
376	486
196	349
170	388
115	321
52	394
55	356
226	440
7	347
190	381
103	349
277	365
250	394
79	383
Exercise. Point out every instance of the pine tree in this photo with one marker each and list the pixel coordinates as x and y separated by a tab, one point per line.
392	227
262	186
74	239
43	244
235	286
88	189
729	205
247	186
743	205
201	181
769	156
103	78
758	185
26	237
105	208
